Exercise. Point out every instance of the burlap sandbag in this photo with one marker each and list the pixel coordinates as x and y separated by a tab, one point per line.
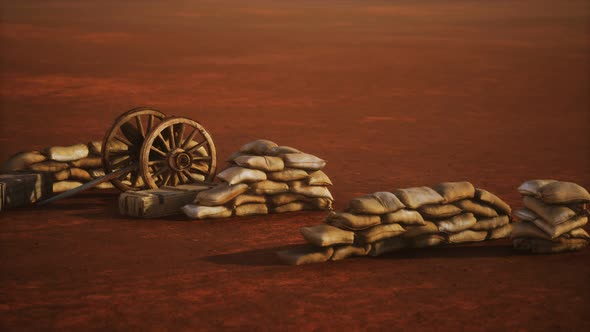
457	223
66	153
248	199
404	217
220	194
375	203
95	148
492	200
578	233
61	186
427	240
90	162
206	212
413	231
345	251
80	174
500	232
61	175
490	223
436	211
352	221
555	231
263	163
388	245
306	255
251	209
259	147
554	214
303	161
279	150
321	203
96	173
525	214
286	198
379	232
298	187
467	236
292	207
49	166
454	191
104	185
533	187
22	160
416	197
318	178
325	235
287	174
527	229
232	157
478	209
235	175
564	192
268	187
539	246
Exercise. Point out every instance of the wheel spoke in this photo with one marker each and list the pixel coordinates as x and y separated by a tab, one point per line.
198	170
165	142
166	179
118	153
172	141
180	134
160	172
123	140
193	148
158	151
174	179
189	138
202	158
122	162
131	133
140	126
134	178
156	162
188	175
150	123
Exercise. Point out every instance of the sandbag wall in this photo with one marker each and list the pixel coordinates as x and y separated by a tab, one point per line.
382	222
70	166
264	177
552	218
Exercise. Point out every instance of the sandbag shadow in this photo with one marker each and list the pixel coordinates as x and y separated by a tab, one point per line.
258	257
268	256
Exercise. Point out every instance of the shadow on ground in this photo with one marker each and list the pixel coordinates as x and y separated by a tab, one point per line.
268	256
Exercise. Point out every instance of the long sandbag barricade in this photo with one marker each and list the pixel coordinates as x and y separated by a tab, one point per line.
384	222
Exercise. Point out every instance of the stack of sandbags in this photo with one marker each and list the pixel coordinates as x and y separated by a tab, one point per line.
382	222
264	177
552	218
70	166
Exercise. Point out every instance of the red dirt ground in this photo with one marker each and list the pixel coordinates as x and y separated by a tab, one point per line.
392	94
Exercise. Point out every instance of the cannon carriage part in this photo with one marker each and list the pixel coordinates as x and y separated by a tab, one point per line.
145	149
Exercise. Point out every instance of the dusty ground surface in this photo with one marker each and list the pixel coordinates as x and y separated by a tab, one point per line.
392	94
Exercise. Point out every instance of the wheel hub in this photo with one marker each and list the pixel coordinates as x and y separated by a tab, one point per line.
180	160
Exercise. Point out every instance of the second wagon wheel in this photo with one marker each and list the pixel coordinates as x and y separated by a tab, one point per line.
178	151
122	144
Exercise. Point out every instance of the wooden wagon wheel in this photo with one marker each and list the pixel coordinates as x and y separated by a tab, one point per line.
122	144
177	151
